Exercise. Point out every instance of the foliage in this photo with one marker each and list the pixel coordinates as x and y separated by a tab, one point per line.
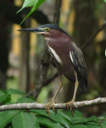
105	1
31	3
40	118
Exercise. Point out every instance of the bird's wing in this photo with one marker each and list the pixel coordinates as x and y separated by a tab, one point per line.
80	66
77	58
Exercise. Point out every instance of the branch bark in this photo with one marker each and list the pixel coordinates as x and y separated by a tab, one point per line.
20	106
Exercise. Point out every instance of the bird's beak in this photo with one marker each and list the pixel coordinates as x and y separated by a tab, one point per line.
37	30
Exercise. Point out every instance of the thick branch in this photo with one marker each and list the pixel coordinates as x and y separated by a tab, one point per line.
56	106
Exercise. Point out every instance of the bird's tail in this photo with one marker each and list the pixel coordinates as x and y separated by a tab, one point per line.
83	83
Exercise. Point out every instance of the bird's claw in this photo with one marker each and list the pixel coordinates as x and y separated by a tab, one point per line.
50	105
69	105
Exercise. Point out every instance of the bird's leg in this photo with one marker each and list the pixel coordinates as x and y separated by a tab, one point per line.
70	103
52	102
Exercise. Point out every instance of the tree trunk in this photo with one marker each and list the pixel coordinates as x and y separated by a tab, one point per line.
4	46
24	78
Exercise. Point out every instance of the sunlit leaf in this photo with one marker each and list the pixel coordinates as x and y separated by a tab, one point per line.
27	3
31	3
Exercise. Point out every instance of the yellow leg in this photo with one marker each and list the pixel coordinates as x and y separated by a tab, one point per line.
52	102
70	103
75	90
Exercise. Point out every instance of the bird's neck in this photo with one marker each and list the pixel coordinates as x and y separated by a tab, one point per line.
49	39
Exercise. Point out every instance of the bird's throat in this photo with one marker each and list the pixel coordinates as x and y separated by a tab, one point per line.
49	39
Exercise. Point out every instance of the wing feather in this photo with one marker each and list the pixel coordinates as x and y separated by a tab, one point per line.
77	58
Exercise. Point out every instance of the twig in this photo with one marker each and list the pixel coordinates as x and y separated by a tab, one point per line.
45	83
50	79
93	36
78	104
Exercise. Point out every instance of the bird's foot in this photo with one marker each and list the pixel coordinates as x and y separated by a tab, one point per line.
50	105
69	105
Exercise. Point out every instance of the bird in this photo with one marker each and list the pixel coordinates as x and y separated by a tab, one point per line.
69	58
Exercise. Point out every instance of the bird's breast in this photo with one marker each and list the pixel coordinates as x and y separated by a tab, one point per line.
60	51
61	54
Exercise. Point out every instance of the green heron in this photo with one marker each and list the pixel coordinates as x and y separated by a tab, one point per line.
69	57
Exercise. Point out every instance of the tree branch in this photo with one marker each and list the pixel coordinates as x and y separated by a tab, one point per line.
20	106
94	35
45	83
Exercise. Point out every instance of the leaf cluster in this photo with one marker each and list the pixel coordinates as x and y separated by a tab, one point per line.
40	118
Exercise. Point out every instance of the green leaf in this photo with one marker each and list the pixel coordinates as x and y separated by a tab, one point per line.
40	112
6	117
25	100
67	120
66	115
55	117
103	124
80	126
4	97
48	123
30	3
93	126
105	1
77	114
15	91
25	120
93	119
27	3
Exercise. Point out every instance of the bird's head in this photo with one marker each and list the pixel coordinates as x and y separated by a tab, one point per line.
49	31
